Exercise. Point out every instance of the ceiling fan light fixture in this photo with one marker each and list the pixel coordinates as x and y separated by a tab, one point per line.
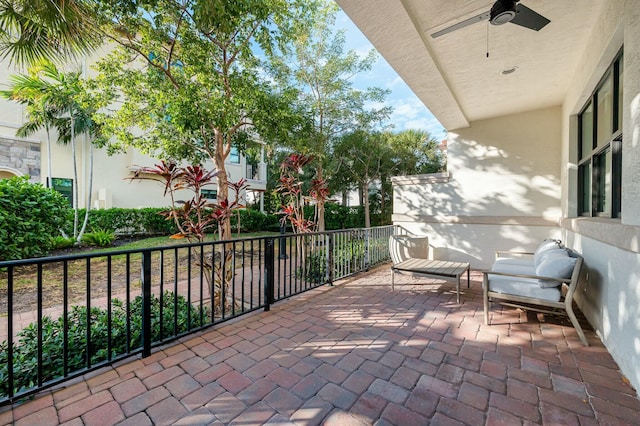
502	11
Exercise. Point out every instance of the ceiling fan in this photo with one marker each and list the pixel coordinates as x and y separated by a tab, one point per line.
501	12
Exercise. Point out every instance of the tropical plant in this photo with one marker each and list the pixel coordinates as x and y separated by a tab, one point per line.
317	65
99	237
107	329
291	188
197	216
31	30
56	99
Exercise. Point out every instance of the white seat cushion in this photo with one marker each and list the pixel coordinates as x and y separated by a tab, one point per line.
523	287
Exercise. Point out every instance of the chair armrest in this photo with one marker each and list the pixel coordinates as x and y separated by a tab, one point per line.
513	253
535	277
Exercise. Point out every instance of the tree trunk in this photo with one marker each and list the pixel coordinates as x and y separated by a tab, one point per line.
320	204
86	211
49	173
223	183
76	192
365	199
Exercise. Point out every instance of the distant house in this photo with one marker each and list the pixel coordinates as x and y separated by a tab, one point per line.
20	156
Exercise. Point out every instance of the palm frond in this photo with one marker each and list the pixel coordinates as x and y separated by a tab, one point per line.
57	29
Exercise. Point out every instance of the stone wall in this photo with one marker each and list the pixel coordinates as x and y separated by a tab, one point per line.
21	155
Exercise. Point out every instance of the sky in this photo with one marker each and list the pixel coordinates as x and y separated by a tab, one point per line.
409	111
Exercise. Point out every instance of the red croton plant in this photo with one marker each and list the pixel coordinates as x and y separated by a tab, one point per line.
290	186
197	216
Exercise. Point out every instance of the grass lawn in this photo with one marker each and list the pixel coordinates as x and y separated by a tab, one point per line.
25	289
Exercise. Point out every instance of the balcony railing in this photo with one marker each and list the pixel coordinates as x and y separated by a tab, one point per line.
61	317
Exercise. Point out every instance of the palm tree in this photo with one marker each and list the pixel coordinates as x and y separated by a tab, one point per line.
52	99
54	29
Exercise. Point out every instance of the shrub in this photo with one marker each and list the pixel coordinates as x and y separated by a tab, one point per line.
253	221
99	237
25	352
30	216
145	221
59	242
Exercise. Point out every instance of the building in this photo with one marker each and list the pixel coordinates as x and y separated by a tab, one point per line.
543	137
28	156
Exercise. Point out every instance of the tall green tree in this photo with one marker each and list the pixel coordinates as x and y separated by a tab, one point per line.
189	81
57	100
55	29
362	159
317	64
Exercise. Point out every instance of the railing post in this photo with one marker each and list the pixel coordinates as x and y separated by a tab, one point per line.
330	258
282	243
367	242
146	303
269	273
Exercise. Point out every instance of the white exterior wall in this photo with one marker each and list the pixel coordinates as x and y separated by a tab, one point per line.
610	296
513	181
502	191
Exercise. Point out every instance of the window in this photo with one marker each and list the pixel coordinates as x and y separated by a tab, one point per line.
234	155
209	194
600	147
65	187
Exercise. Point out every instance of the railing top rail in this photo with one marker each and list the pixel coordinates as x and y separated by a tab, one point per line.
103	253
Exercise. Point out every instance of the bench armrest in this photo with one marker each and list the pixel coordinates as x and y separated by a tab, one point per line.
535	277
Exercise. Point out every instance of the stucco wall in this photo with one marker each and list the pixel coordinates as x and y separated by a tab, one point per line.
502	190
610	297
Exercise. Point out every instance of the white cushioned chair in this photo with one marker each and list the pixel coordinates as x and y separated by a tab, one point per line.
544	281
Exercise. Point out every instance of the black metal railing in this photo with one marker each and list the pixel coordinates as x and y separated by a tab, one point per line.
61	317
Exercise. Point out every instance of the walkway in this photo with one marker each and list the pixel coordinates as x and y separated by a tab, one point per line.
357	354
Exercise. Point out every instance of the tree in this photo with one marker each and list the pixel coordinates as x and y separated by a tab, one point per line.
188	77
416	152
317	64
57	99
56	29
362	158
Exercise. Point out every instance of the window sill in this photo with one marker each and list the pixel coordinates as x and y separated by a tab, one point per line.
606	230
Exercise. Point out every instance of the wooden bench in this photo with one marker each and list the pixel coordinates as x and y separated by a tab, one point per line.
542	284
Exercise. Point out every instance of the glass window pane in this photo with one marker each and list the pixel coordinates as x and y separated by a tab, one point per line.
209	194
603	186
620	110
65	187
234	155
584	174
586	123
604	125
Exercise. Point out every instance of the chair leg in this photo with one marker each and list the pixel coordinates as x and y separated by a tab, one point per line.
576	324
393	276
485	298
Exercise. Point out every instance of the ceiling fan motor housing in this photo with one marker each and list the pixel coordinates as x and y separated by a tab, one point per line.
502	11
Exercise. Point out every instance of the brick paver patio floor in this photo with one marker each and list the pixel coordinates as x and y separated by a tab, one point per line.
358	354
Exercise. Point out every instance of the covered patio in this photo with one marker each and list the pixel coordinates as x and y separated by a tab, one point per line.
356	354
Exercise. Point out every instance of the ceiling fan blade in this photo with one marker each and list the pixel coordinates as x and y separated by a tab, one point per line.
527	18
478	18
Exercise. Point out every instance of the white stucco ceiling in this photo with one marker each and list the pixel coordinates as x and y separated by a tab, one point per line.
452	75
